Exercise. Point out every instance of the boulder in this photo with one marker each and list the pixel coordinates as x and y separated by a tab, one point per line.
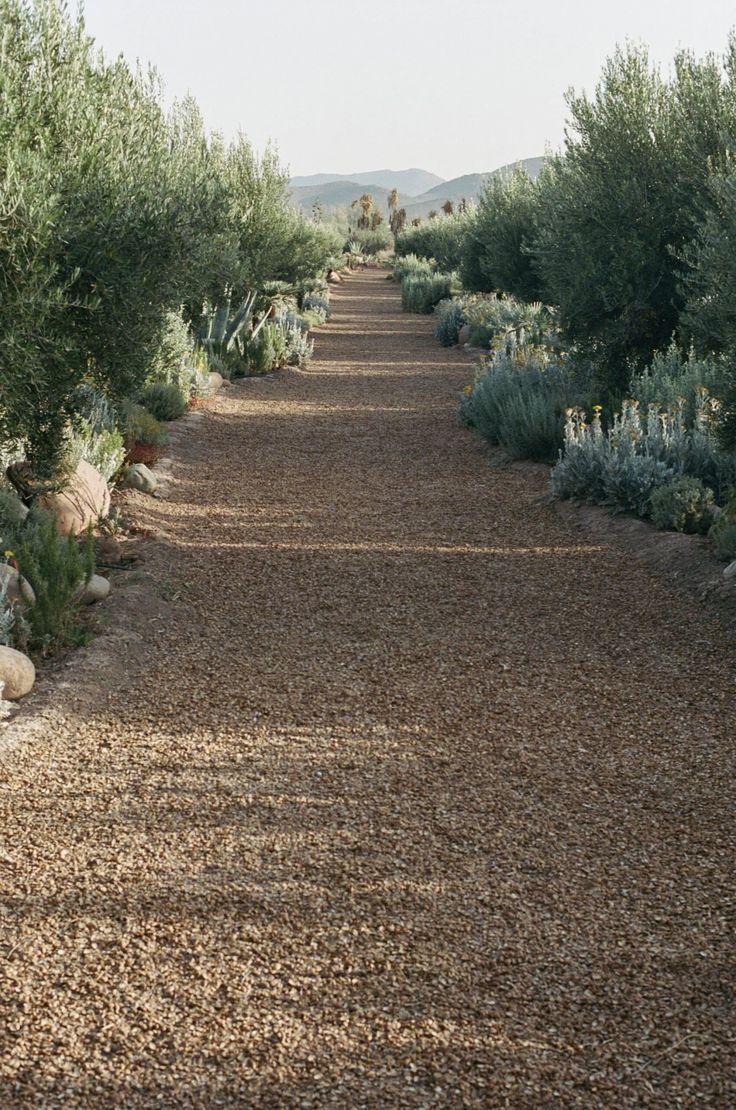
730	571
81	503
215	381
96	589
463	336
17	588
334	278
17	674
139	477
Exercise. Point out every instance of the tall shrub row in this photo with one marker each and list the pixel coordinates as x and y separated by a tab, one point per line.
114	214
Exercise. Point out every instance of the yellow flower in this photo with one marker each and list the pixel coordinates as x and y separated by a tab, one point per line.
597	408
9	554
468	389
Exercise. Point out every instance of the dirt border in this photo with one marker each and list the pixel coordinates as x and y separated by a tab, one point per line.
687	562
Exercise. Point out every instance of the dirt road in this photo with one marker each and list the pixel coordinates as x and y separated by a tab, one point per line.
411	797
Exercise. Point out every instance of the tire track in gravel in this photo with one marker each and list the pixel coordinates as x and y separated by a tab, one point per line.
414	798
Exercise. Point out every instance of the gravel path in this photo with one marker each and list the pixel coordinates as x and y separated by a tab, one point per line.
420	801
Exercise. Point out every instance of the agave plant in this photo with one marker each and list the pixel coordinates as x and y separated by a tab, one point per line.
224	330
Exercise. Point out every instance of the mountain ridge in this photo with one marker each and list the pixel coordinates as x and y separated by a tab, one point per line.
413	182
342	190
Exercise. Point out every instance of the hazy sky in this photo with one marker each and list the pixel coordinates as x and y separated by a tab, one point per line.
453	86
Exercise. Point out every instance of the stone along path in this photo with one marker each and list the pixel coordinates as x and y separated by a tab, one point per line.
418	800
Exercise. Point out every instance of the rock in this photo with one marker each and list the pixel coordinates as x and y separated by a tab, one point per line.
730	571
17	674
215	381
463	336
96	589
81	503
18	589
334	278
139	477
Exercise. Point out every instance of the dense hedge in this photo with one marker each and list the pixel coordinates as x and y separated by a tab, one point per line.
113	213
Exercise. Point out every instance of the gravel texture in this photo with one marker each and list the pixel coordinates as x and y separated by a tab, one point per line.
406	795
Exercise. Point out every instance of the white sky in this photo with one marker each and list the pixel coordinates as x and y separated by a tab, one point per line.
452	86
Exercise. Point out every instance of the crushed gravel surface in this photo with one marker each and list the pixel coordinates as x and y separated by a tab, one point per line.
406	795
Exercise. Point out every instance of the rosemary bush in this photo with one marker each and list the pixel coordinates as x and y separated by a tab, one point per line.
57	570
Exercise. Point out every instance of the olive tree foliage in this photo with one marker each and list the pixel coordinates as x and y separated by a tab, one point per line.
710	287
619	206
103	227
496	255
113	214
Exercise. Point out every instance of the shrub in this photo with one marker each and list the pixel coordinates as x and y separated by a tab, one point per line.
507	324
142	427
267	350
672	378
56	569
12	512
684	504
618	208
298	347
94	435
450	316
723	532
440	239
172	351
421	292
411	264
521	407
8	618
318	303
615	469
165	401
495	250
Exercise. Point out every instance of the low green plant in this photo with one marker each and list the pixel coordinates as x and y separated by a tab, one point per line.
12	512
421	292
504	323
520	407
164	400
683	505
94	434
317	304
723	532
673	378
450	316
411	264
7	617
266	350
57	569
298	347
142	426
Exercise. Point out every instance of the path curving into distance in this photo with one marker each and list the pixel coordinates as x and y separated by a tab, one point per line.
411	797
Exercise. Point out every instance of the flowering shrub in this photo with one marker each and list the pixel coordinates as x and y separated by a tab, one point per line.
621	468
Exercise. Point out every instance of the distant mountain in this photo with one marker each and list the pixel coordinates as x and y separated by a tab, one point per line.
468	187
339	194
410	182
342	190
